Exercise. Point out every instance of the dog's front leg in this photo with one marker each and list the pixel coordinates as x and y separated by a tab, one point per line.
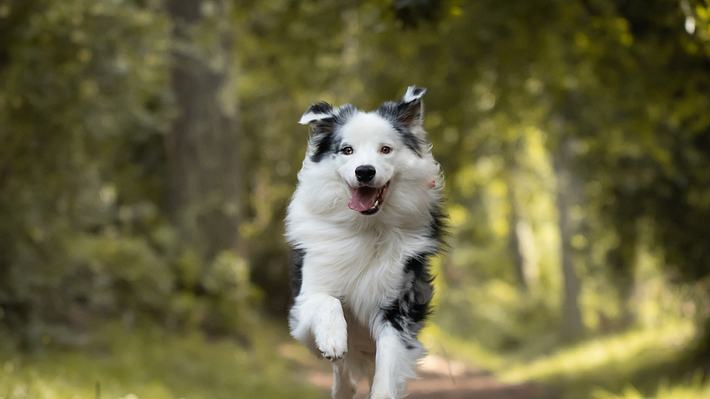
320	316
395	362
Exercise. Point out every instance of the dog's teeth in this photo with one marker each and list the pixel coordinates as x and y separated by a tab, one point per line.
377	203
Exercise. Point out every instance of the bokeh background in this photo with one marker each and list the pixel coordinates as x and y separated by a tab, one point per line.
148	149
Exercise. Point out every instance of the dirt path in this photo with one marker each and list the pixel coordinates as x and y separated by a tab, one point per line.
443	379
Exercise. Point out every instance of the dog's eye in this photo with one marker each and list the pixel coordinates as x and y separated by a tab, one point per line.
385	149
347	150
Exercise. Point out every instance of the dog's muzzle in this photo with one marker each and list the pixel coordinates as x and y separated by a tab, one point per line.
366	199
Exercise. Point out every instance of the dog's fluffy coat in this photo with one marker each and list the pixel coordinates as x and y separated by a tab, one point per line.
360	274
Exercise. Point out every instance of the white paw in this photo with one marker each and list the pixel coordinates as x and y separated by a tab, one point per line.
331	337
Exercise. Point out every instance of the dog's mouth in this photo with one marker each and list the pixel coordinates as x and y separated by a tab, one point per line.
367	200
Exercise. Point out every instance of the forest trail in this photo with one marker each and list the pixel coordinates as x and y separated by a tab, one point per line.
440	378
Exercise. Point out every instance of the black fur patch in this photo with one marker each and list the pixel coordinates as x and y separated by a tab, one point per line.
437	228
325	143
324	133
320	108
408	312
296	271
400	116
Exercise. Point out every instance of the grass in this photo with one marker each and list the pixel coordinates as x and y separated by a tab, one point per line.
695	389
641	363
147	363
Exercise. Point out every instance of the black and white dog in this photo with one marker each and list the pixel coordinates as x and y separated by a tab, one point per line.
363	221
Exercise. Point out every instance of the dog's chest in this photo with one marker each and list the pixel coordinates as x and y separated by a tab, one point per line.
369	272
370	283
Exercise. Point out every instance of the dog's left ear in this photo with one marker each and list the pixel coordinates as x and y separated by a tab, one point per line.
316	112
410	110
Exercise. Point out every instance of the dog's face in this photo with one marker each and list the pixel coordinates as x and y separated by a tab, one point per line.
367	149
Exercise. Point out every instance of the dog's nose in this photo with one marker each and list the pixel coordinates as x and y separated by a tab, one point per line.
365	173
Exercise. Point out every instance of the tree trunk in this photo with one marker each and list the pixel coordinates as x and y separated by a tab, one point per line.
515	242
622	260
572	326
701	352
203	146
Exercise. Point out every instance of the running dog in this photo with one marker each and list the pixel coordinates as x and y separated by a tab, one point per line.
363	222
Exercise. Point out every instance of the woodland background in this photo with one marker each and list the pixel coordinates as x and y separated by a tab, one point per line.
148	149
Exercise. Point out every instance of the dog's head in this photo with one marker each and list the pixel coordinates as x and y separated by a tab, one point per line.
368	149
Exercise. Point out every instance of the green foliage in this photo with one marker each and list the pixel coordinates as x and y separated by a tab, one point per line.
105	274
696	389
75	115
147	362
85	108
637	363
614	359
506	321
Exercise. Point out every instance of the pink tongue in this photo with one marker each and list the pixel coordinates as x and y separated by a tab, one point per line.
362	199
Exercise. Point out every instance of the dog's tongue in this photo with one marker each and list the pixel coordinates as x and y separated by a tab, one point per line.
363	198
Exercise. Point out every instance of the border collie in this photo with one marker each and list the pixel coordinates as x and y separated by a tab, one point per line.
364	220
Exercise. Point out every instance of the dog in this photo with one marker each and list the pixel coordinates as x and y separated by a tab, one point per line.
364	220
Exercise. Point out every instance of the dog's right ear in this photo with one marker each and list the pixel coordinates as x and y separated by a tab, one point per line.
317	114
410	110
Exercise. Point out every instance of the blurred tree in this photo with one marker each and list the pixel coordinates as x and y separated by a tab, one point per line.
206	175
81	107
572	326
515	241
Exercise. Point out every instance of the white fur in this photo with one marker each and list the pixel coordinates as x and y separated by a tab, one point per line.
410	96
394	364
353	264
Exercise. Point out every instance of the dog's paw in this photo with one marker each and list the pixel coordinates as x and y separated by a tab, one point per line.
332	338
